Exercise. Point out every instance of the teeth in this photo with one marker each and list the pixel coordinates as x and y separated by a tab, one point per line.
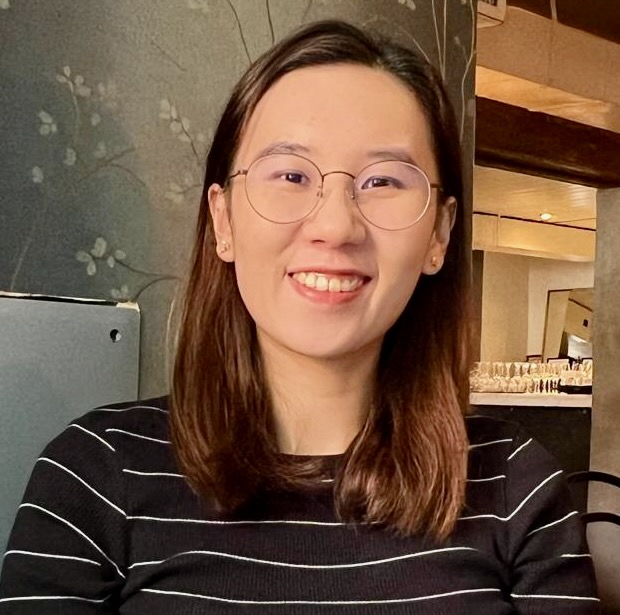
333	284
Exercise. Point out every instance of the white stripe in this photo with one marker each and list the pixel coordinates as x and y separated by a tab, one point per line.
248	522
23	598
305	566
489	443
575	555
325	602
484	480
130	408
544	527
75	529
99	495
549	597
94	435
518	508
53	556
137	435
520	448
327	480
153	473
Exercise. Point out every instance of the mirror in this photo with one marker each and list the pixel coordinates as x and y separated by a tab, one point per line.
568	324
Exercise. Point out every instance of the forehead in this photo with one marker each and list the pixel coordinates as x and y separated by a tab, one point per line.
339	113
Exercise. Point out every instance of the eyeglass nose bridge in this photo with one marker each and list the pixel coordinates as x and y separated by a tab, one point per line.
351	194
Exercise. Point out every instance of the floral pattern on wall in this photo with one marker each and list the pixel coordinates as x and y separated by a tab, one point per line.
107	112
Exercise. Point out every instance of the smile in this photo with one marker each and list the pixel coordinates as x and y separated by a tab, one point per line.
328	283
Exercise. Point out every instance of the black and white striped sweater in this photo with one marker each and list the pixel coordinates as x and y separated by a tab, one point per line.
108	525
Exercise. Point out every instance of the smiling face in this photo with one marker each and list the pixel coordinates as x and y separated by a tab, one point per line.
331	284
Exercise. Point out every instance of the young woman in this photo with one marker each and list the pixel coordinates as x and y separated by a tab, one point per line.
314	455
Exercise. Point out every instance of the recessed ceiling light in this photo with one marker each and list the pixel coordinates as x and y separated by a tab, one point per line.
546	216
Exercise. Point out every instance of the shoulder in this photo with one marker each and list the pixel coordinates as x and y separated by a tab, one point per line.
505	447
120	430
147	418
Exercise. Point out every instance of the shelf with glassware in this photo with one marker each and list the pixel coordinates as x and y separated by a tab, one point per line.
557	382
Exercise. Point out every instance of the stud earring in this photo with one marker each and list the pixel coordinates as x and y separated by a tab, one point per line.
434	261
223	247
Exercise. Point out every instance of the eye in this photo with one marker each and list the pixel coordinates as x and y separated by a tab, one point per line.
294	177
381	181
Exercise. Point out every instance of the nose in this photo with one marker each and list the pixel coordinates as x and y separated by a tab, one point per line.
336	219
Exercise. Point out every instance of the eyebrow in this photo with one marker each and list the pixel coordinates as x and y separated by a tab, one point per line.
283	147
395	153
290	147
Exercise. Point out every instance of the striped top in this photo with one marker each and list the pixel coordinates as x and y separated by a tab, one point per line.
109	525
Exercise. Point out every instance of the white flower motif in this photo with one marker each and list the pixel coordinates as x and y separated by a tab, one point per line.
5	4
121	294
37	175
111	261
175	193
85	257
164	109
101	245
107	94
81	89
410	4
100	150
120	255
48	126
70	157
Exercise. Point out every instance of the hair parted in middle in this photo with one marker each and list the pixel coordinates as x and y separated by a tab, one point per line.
406	469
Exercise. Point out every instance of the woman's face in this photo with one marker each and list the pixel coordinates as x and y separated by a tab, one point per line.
342	117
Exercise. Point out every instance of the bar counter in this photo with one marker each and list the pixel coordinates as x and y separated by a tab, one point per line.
556	400
560	422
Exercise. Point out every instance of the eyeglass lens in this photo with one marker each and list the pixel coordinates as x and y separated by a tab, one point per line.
285	188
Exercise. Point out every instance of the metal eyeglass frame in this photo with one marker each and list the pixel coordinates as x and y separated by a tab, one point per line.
431	185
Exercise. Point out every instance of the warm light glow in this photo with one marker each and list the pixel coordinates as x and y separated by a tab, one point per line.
546	216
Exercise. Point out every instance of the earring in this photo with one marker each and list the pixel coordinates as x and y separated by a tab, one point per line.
223	247
434	261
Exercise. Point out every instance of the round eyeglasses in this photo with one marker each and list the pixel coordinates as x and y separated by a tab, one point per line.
285	188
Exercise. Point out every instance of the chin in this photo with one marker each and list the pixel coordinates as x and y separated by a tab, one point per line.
328	348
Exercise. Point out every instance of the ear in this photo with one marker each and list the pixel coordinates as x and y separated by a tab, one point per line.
444	222
218	206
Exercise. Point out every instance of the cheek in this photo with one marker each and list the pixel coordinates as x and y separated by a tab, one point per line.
401	270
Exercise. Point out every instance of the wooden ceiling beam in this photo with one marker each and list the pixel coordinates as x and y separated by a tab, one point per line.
515	139
598	17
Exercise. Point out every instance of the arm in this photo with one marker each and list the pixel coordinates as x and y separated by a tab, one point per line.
66	551
552	571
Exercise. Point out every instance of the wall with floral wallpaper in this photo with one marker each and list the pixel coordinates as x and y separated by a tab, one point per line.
107	109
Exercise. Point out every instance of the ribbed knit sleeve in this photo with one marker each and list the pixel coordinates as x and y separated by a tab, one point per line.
552	571
66	553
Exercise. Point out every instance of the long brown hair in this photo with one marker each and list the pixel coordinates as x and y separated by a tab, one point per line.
406	469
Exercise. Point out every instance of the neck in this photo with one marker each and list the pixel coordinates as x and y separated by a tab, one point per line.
319	404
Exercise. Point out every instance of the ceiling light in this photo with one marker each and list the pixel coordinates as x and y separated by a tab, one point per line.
546	216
